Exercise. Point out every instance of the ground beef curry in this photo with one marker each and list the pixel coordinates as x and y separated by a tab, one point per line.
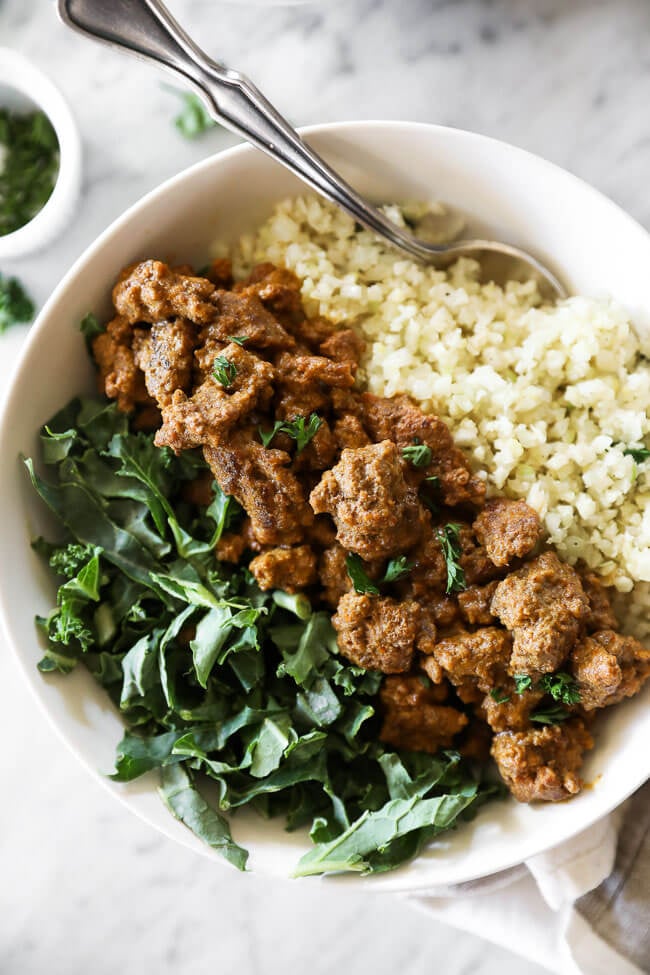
489	643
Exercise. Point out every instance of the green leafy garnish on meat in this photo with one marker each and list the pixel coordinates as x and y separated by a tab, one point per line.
194	119
224	371
523	683
418	454
561	686
449	538
234	696
396	569
360	579
90	328
300	429
238	339
554	714
29	168
15	304
499	695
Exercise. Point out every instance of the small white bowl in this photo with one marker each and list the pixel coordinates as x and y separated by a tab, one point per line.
24	87
515	196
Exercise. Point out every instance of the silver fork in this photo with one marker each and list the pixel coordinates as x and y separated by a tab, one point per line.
148	30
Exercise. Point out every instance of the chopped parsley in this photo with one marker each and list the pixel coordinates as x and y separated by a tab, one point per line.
561	686
299	429
554	714
238	339
638	454
430	492
15	304
362	583
395	570
224	371
449	538
498	694
194	119
30	167
417	453
523	683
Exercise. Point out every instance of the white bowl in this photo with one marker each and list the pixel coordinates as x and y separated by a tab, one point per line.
24	87
596	247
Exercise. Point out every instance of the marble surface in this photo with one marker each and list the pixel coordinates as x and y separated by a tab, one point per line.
84	886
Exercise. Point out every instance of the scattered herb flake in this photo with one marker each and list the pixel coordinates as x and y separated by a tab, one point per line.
224	371
561	686
360	580
449	538
239	339
551	715
418	454
194	118
523	683
638	454
397	569
15	304
299	429
498	694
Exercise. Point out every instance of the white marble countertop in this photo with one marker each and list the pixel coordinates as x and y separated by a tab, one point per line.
84	886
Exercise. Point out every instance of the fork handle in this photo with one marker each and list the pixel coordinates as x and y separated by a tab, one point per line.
148	30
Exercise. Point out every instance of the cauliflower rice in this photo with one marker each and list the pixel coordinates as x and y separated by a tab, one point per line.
544	400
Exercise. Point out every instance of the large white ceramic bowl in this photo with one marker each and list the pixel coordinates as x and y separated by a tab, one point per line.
514	196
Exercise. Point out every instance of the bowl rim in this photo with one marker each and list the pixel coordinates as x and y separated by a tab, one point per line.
19	73
604	802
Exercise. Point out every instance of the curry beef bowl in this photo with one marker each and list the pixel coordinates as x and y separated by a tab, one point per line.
345	557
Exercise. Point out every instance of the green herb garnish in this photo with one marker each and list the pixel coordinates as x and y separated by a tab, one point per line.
194	119
213	677
90	328
498	694
523	683
432	485
561	686
239	339
15	304
638	454
395	570
418	454
449	538
224	371
29	168
360	580
299	429
551	715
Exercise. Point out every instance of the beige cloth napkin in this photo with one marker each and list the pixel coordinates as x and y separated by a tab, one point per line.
583	908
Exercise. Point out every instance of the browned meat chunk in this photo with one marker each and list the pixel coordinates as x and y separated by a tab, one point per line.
152	292
505	710
482	656
381	633
165	353
475	604
376	513
349	432
508	529
542	764
212	410
230	548
305	383
119	375
344	346
320	452
244	317
269	493
477	566
601	615
414	719
220	272
544	605
333	574
399	420
277	288
290	569
608	668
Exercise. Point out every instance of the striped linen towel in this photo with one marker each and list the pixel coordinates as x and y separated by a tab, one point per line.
582	908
